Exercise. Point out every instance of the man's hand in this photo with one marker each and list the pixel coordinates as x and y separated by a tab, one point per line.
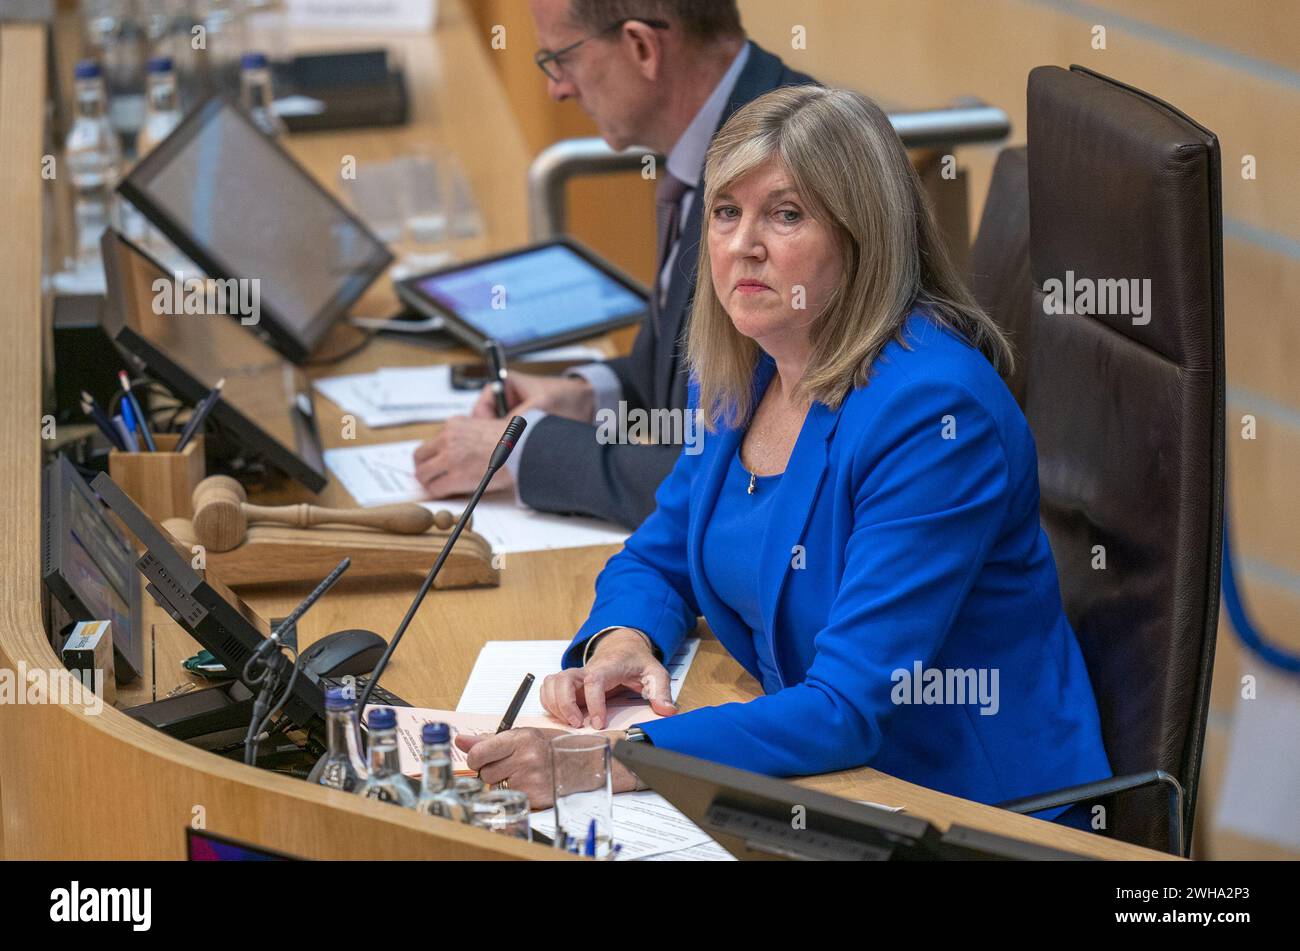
570	397
622	658
453	462
522	759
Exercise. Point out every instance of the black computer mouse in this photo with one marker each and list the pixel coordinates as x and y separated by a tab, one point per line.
344	652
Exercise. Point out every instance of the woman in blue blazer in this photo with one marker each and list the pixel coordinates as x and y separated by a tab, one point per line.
859	526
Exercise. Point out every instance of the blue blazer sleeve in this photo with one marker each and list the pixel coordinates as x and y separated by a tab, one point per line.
926	511
647	585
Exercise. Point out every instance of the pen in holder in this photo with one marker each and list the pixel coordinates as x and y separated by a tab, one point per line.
160	482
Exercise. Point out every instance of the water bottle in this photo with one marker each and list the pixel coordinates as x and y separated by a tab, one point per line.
437	797
385	781
93	158
340	770
162	108
255	93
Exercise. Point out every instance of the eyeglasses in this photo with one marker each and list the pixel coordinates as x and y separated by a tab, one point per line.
549	63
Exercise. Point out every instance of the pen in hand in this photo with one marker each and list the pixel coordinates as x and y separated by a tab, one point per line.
496	362
508	721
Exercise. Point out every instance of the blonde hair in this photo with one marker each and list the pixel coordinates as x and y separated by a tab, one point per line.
852	172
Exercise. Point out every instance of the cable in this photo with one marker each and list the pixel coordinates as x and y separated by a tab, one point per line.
1241	621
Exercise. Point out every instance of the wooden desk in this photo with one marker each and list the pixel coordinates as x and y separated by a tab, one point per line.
147	786
74	785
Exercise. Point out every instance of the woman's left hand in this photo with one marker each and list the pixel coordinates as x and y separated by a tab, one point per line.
522	759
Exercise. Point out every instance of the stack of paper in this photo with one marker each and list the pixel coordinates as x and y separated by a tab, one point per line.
395	396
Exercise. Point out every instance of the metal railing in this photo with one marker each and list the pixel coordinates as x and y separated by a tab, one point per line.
555	166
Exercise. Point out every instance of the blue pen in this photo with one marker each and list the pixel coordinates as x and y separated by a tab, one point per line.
590	849
128	399
128	417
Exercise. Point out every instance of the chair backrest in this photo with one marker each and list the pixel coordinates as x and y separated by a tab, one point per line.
999	274
1127	410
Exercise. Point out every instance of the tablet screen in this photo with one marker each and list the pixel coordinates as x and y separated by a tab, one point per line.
240	207
545	292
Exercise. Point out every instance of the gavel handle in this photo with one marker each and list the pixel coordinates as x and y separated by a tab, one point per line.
403	518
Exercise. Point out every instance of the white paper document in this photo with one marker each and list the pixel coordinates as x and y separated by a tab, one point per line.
397	396
378	474
501	666
649	827
384	473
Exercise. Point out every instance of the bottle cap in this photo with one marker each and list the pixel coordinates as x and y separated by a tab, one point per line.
253	61
336	698
87	69
382	718
438	733
159	64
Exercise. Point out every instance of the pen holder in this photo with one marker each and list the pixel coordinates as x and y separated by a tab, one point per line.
160	482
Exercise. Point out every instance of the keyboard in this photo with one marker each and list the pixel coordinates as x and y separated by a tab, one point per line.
379	695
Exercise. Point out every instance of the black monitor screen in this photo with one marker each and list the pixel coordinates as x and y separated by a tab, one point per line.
266	405
239	206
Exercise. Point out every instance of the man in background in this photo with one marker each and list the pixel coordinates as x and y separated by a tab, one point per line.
664	74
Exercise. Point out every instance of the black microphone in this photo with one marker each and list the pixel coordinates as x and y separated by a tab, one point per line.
514	429
288	624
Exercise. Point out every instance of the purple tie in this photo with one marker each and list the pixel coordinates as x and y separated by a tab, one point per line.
668	206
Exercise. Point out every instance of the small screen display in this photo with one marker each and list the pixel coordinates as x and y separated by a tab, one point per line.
544	292
206	847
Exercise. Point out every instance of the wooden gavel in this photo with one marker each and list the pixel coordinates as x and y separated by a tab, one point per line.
222	515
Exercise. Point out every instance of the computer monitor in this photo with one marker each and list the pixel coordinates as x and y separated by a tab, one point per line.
266	406
211	613
760	818
235	202
757	817
87	564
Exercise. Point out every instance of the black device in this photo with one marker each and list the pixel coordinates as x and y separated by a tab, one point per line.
379	695
211	613
83	355
964	844
266	408
756	817
353	652
238	205
88	565
475	376
355	89
760	818
544	295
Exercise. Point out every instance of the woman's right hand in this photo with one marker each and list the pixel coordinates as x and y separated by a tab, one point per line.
622	658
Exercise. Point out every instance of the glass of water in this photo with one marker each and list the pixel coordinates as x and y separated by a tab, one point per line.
504	811
580	763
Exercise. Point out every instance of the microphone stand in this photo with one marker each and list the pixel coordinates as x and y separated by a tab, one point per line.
269	679
508	439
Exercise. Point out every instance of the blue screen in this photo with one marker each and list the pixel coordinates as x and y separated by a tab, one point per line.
542	293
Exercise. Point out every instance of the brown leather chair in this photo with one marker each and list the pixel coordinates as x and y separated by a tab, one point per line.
1128	415
999	274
